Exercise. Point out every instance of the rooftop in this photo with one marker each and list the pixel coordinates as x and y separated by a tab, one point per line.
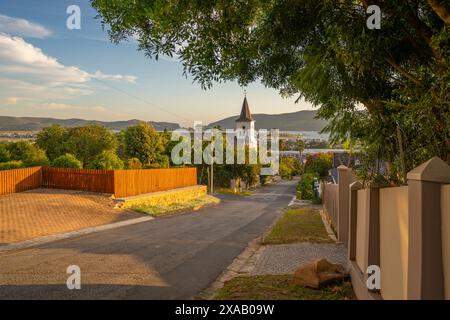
245	116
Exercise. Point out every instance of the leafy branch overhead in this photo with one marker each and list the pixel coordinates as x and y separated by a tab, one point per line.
389	89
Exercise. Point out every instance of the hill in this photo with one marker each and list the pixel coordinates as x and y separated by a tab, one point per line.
35	124
295	121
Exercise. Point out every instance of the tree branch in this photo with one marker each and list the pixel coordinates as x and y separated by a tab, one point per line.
389	59
441	10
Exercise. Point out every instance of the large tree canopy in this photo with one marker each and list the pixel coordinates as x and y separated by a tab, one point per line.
387	88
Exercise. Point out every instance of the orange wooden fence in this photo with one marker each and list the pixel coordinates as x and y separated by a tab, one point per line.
121	183
19	180
134	182
79	179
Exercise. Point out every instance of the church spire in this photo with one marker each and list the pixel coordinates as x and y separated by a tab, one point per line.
245	112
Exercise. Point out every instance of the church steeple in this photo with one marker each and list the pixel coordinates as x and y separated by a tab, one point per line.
246	115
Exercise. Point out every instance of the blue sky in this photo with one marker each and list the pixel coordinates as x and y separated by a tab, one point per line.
47	70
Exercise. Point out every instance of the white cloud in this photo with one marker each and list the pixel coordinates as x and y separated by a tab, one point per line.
19	57
22	27
114	77
27	70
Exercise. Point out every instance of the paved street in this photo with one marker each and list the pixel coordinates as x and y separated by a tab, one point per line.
167	258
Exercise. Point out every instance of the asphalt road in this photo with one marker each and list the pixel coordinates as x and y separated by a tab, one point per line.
167	258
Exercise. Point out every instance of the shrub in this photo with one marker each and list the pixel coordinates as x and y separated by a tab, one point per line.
289	167
319	164
107	160
305	187
133	163
5	155
36	157
163	160
11	165
28	153
152	166
67	161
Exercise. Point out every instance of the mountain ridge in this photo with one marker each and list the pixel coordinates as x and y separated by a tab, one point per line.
37	123
303	120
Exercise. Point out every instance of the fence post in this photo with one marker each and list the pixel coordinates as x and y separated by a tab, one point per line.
354	187
372	241
344	180
425	263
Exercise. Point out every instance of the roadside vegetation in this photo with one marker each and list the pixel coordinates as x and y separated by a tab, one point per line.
177	207
231	192
317	167
89	147
280	287
298	225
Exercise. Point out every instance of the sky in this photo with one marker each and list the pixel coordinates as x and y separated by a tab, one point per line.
47	70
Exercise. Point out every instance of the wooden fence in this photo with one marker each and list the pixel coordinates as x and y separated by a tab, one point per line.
121	183
78	179
404	231
19	180
134	182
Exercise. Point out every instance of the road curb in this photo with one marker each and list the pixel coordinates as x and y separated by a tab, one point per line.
242	265
55	237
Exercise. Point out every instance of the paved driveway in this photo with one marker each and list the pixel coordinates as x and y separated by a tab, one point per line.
42	212
167	258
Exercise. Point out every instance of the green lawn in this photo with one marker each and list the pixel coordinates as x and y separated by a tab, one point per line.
279	287
177	207
298	225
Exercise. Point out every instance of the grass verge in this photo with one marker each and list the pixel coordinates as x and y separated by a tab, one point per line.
229	191
298	225
279	287
177	207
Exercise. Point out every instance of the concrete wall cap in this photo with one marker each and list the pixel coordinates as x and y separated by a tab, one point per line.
434	170
356	185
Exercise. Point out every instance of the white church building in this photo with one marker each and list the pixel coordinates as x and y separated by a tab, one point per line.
245	125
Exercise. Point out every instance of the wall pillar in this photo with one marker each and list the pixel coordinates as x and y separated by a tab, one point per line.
425	264
354	187
345	177
372	240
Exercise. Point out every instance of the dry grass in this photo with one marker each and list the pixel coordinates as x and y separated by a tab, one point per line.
298	225
177	207
279	287
229	191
